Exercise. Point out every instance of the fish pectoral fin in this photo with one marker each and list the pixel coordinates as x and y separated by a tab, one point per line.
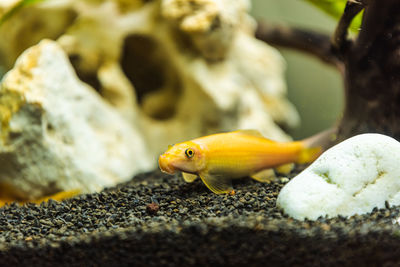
188	177
285	168
264	176
217	184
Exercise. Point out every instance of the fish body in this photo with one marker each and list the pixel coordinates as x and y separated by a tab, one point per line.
219	158
237	155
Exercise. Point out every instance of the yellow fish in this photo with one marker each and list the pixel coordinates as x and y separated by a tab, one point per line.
219	158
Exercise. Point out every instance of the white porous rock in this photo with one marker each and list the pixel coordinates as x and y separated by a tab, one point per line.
57	133
353	177
176	69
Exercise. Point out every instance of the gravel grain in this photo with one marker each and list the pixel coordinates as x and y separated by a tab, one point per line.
159	220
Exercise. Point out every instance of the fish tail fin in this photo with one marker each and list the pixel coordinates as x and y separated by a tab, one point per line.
308	155
316	144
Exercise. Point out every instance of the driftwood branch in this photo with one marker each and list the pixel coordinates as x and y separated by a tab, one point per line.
372	75
373	24
370	64
316	44
339	40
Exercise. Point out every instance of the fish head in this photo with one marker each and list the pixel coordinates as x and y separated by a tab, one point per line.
186	157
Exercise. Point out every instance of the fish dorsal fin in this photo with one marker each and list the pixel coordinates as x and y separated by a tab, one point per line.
188	177
217	184
264	176
249	132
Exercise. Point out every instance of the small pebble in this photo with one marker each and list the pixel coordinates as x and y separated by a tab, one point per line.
284	180
152	208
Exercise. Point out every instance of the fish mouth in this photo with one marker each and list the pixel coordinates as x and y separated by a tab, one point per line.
164	165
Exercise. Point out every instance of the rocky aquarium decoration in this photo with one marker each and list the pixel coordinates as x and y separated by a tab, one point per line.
353	177
95	90
59	135
173	70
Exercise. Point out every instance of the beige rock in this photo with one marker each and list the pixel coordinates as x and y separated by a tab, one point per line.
30	25
210	24
57	133
173	69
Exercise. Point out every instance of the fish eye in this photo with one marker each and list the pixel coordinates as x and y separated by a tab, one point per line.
189	153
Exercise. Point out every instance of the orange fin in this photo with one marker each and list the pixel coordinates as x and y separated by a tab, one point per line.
308	155
323	139
4	201
264	176
249	132
285	168
217	184
315	145
188	177
59	196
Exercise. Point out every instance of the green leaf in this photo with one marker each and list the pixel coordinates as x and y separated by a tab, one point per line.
335	8
16	8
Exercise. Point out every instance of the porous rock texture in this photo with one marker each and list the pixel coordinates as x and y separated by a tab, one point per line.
57	133
353	177
179	69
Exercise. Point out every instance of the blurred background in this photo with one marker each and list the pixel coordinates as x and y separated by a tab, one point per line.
313	87
164	93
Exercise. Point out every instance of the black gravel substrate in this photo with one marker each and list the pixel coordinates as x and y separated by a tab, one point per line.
159	220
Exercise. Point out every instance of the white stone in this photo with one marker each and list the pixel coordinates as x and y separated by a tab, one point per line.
58	134
353	177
